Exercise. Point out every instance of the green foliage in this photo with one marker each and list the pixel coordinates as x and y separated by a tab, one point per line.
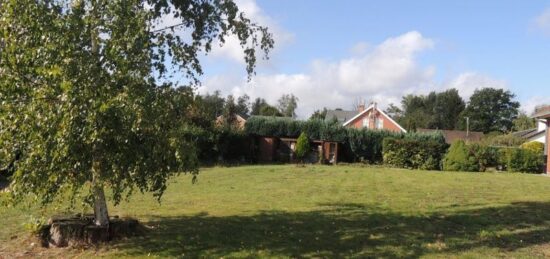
302	146
491	109
319	114
523	122
460	158
536	147
80	92
413	154
433	111
504	140
522	160
34	224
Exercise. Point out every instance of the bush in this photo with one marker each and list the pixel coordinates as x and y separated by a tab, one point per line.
302	146
485	156
522	160
534	146
413	154
460	158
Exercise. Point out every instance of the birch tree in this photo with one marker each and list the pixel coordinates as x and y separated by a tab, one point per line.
87	97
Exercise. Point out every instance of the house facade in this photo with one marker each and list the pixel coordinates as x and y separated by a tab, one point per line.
370	117
542	113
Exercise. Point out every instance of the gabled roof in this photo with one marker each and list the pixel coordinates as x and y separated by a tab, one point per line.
529	133
340	115
371	107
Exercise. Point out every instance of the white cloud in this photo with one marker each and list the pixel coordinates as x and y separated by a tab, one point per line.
542	22
466	83
383	75
528	106
232	49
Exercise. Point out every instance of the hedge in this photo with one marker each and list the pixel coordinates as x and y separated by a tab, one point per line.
221	145
522	160
413	153
478	157
357	144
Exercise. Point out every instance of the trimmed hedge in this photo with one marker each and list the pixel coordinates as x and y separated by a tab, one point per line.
477	157
221	145
358	145
522	160
413	153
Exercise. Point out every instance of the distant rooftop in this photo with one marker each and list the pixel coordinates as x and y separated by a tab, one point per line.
454	135
542	112
341	115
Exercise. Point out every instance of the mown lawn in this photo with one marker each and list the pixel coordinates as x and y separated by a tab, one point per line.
324	211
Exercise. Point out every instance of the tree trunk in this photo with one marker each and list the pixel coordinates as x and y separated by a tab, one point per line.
101	215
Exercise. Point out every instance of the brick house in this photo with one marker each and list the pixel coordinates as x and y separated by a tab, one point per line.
371	117
543	113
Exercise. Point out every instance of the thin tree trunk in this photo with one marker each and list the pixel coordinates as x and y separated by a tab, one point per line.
101	215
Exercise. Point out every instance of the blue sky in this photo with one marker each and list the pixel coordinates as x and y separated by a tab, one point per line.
329	53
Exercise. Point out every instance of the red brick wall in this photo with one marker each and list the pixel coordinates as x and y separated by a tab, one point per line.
387	124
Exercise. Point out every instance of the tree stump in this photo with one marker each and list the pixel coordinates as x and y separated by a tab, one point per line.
79	230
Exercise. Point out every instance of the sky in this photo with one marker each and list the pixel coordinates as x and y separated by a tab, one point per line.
332	53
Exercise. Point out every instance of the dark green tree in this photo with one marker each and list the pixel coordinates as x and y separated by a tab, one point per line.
435	110
490	109
81	102
319	114
257	106
229	111
447	108
394	112
212	104
242	106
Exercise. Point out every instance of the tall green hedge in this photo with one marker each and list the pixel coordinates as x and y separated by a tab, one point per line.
357	144
522	160
414	153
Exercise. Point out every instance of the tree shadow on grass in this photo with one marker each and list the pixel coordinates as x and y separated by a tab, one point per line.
344	230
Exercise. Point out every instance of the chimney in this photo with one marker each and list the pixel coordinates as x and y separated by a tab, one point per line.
360	105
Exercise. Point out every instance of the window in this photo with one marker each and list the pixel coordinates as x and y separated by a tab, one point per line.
380	123
366	122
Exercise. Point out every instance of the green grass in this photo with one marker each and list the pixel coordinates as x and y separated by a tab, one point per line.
323	211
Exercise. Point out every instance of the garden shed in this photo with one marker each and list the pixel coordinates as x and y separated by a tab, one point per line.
274	149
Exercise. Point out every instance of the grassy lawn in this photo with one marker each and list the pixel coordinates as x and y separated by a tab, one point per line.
324	211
